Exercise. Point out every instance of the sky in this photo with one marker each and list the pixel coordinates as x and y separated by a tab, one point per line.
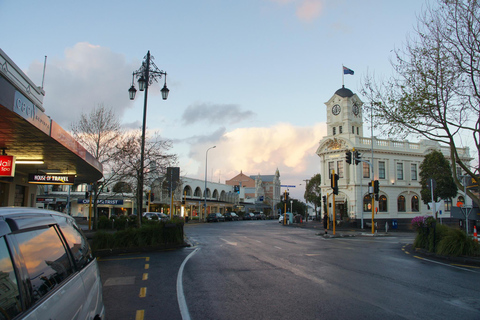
248	76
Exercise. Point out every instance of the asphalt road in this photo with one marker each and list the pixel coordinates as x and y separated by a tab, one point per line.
263	270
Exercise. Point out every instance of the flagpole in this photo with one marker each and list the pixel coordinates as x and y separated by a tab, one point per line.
343	77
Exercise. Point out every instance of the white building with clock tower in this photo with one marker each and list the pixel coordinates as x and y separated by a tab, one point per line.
395	164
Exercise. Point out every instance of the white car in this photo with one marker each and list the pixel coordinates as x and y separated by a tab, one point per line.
48	270
289	218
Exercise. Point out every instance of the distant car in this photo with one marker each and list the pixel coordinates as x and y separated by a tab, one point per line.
159	215
249	216
289	218
231	216
259	216
215	217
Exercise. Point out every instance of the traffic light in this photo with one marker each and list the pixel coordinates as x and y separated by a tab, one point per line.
334	183
348	155
357	156
376	187
152	197
376	197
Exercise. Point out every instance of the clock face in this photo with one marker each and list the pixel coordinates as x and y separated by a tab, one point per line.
336	109
355	109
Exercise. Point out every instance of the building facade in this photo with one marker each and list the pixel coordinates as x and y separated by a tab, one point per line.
395	164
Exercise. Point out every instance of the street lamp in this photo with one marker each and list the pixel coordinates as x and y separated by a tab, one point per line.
205	191
147	73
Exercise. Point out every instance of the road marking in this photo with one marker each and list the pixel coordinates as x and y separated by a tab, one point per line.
313	254
445	264
147	266
145	276
258	241
228	242
278	248
147	259
464	266
143	292
119	259
182	303
140	315
119	281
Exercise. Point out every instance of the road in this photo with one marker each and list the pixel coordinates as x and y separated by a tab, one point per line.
262	270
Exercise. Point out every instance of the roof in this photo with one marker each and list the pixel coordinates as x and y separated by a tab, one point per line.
344	92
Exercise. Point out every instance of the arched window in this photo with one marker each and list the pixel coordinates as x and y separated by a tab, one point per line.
198	192
415	204
382	204
401	204
367	200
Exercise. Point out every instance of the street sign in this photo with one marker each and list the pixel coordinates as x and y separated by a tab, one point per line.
287	186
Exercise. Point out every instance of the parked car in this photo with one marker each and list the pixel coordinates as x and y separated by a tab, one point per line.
259	216
215	217
231	216
289	218
48	267
248	216
159	215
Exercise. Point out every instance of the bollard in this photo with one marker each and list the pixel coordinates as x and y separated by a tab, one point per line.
475	233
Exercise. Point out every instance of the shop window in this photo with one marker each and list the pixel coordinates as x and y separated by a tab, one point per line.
401	204
382	204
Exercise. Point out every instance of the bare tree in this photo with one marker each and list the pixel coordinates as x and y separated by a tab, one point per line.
127	161
99	131
434	92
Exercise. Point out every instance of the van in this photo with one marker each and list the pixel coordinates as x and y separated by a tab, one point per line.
47	269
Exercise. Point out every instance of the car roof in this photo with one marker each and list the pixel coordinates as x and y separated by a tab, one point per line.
18	218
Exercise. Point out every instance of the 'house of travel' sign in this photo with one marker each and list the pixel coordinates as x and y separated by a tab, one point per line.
51	179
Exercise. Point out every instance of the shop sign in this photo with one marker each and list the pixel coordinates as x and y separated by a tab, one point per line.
112	202
25	108
46	200
51	179
7	166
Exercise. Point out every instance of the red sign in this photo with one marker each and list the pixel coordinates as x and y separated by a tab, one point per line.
7	166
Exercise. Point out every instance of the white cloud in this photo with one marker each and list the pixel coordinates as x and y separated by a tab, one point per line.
309	10
85	77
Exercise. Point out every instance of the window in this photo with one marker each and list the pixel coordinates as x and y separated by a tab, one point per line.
353	129
381	169
46	260
79	247
340	129
357	131
366	170
330	168
340	169
401	204
10	297
367	200
399	171
415	204
382	204
414	171
334	131
448	204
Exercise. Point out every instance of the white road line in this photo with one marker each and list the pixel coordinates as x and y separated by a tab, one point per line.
182	303
228	242
278	248
445	264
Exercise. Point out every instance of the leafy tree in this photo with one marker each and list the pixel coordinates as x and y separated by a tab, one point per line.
98	132
435	90
436	166
313	192
127	161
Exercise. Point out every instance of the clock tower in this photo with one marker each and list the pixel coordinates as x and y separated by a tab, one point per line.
344	114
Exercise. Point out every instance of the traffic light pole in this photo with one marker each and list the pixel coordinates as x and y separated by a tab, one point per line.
333	199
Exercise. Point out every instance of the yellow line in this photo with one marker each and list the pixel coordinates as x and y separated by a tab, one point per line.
147	259
147	266
143	292
419	257
464	266
145	276
140	314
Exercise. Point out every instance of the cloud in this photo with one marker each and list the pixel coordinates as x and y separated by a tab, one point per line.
261	150
309	10
215	113
88	75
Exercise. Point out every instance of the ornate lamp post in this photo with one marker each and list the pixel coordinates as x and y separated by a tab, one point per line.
146	75
205	191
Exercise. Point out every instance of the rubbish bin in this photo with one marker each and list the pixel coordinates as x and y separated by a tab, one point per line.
394	224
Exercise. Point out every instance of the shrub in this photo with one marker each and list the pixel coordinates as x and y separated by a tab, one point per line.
458	243
104	223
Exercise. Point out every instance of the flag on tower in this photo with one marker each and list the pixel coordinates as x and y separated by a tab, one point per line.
347	71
